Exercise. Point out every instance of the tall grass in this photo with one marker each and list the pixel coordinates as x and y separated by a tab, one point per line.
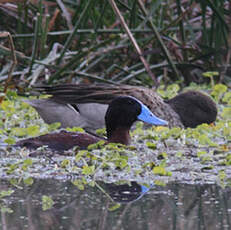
73	41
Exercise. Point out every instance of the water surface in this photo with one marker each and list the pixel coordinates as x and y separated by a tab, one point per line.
175	206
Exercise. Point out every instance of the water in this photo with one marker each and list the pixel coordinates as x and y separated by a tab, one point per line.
175	207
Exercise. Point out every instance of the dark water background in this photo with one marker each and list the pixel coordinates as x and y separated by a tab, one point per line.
175	206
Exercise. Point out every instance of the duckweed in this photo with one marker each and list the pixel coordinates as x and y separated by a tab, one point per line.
158	170
47	203
3	203
79	184
151	145
28	181
157	154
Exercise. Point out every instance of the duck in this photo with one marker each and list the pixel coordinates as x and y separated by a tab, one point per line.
85	105
122	112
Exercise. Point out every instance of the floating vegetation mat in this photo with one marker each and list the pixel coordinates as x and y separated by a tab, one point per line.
157	155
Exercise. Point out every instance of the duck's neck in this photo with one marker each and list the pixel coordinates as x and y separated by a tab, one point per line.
120	135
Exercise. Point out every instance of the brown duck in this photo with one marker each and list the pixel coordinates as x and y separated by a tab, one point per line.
85	105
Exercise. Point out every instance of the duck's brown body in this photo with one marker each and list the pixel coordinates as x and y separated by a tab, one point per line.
187	109
60	141
91	101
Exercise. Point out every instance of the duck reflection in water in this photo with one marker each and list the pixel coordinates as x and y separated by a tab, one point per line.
126	193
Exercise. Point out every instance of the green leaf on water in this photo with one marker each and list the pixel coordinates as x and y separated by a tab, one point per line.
54	126
228	159
92	183
97	145
159	183
28	181
24	105
80	154
27	163
206	159
227	98
201	153
88	170
226	113
47	203
79	184
222	175
139	125
33	130
132	148
12	168
5	209
179	154
19	132
15	182
121	163
75	129
151	145
218	91
115	146
10	141
101	132
5	193
91	156
158	170
149	165
8	106
11	94
205	140
65	163
114	207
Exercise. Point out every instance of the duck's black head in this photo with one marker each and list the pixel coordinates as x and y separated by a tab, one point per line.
194	108
124	111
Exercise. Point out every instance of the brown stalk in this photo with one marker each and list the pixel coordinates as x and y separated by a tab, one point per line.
14	61
131	37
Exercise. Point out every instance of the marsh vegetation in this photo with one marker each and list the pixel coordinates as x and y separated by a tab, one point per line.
171	46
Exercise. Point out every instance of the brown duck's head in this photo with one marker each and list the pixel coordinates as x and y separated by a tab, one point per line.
194	108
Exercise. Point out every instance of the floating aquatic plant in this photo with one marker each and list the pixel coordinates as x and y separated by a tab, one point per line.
3	205
47	203
158	154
